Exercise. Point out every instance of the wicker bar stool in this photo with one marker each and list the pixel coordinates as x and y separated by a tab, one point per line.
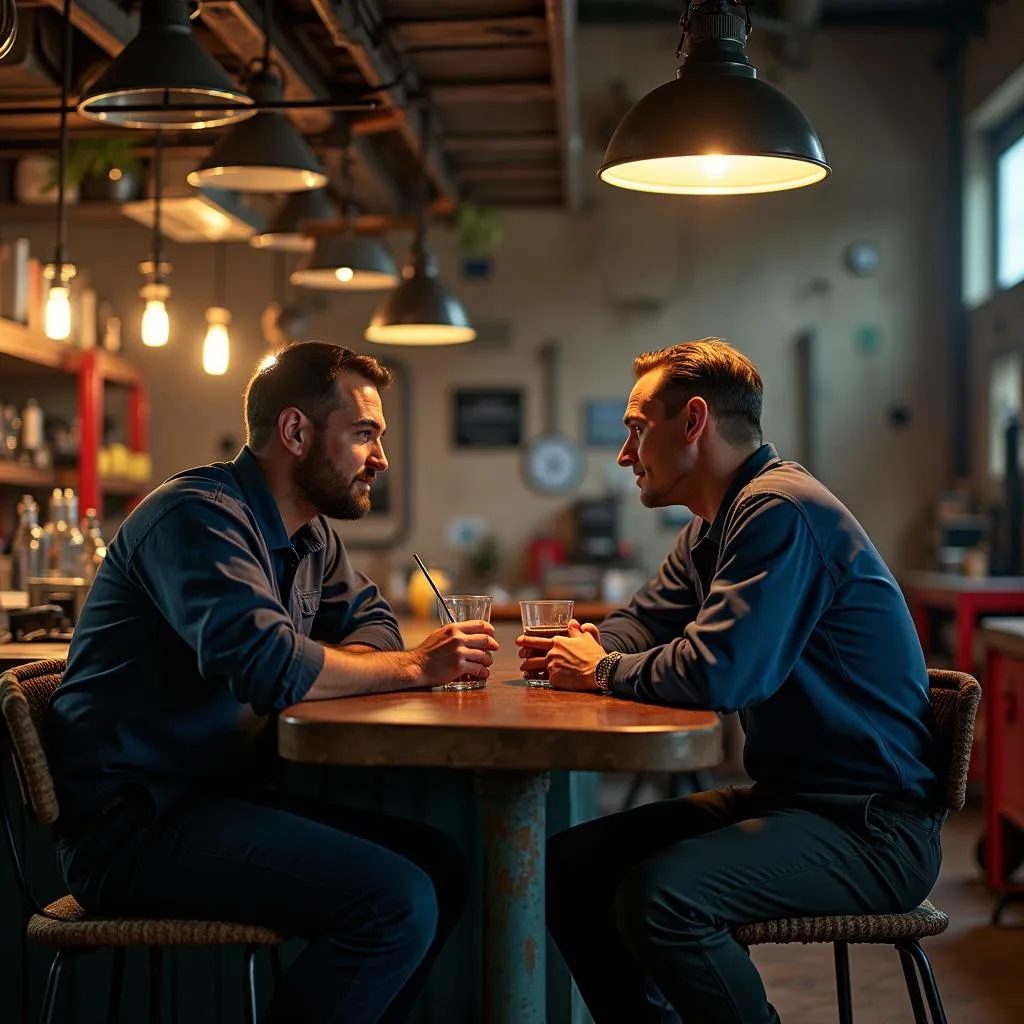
954	698
25	694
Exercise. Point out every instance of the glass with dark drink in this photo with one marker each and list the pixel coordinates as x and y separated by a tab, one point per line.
465	608
543	619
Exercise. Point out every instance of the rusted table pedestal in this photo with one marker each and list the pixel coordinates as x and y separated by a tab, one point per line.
512	736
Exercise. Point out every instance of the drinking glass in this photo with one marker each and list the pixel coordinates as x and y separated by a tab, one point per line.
465	608
546	619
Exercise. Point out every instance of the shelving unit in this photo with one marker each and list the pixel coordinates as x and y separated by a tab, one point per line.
23	350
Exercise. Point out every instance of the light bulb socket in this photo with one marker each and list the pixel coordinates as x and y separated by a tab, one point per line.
218	315
155	291
60	272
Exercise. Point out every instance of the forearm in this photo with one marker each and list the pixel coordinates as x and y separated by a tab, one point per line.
359	670
623	631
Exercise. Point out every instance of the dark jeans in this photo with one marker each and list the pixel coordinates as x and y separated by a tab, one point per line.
641	903
376	896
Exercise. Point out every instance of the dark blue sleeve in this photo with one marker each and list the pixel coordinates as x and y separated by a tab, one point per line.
770	590
352	609
658	611
201	563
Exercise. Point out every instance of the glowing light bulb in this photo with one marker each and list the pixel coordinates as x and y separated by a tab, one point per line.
217	344
715	166
156	325
58	313
344	273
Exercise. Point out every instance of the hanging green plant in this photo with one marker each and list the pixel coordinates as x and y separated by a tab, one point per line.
95	158
478	230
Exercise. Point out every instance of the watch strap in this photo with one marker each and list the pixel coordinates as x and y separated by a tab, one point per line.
603	672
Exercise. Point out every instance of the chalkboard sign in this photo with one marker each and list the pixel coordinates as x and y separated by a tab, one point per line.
488	417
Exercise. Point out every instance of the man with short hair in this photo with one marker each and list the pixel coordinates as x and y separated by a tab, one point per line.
774	603
225	597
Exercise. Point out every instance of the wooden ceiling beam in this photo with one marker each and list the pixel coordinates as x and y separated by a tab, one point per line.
562	20
478	32
460	93
356	29
468	144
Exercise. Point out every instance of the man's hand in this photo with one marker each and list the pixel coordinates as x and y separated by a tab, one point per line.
537	653
459	649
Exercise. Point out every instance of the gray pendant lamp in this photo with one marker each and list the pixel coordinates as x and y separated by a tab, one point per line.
284	232
264	154
164	66
421	311
347	261
717	129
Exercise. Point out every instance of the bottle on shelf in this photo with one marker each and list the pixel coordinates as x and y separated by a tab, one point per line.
72	555
32	434
30	546
10	431
57	530
95	547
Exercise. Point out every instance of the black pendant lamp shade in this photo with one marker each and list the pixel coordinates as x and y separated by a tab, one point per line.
164	66
264	154
420	311
347	262
284	232
717	129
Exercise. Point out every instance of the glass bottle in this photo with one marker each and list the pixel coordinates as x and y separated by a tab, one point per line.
57	530
95	546
72	556
29	546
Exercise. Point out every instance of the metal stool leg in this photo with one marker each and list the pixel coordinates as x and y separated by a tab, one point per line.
156	985
913	986
116	985
275	964
634	791
52	986
931	989
843	994
250	984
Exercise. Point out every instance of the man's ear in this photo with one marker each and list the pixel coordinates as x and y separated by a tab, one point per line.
293	429
696	415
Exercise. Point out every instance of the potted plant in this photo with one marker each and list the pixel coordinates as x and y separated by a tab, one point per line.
478	234
102	169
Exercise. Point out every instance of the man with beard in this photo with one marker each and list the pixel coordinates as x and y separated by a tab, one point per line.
774	603
224	597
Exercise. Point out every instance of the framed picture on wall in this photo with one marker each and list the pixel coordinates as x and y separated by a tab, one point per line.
391	495
487	417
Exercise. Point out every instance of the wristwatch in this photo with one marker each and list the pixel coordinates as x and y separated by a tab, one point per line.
603	672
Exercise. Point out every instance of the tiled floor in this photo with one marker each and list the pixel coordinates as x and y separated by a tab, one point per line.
980	969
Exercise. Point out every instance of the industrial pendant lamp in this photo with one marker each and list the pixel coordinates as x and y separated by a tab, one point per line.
347	261
421	311
717	129
156	325
284	232
57	319
266	153
165	67
217	343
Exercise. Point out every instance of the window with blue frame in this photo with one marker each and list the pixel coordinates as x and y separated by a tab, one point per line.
1008	151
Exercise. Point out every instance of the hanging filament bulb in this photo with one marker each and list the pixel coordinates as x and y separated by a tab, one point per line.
217	343
156	324
57	320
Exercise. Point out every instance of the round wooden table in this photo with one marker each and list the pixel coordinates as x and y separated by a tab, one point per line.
512	735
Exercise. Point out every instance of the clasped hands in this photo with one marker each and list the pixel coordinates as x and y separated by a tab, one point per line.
570	662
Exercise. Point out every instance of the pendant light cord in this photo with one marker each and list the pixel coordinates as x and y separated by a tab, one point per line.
220	259
65	91
425	137
158	174
267	23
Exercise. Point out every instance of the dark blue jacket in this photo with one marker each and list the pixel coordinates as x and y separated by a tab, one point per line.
204	619
782	610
